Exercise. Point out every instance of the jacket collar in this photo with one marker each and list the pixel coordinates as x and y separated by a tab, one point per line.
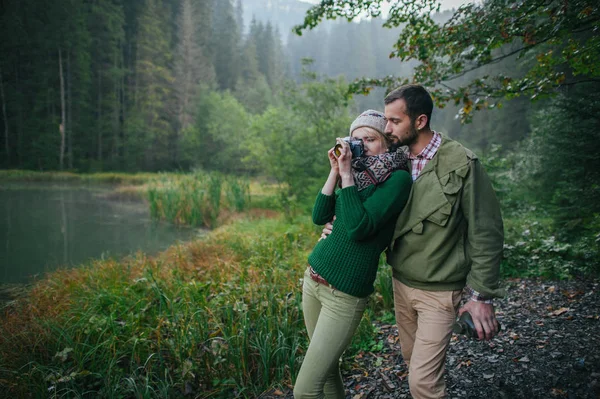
450	157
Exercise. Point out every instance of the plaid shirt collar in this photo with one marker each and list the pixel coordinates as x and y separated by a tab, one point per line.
429	151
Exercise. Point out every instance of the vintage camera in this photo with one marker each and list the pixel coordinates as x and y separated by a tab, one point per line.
357	147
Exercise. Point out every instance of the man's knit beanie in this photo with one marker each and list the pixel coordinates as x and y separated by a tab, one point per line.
370	118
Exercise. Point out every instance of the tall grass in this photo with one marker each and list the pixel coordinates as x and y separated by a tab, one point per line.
197	199
215	318
238	193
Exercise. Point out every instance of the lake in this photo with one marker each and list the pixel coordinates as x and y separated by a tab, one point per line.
46	226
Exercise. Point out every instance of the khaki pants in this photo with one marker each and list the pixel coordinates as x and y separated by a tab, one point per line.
424	320
331	318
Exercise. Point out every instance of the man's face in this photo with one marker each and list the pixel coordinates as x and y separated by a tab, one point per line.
399	126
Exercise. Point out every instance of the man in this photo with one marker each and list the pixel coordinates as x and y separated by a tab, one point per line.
448	237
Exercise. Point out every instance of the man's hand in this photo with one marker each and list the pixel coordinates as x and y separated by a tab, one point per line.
484	318
327	229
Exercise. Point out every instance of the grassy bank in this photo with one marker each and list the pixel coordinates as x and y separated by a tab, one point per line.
214	317
218	317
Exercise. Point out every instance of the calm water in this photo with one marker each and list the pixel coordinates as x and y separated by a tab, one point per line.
43	227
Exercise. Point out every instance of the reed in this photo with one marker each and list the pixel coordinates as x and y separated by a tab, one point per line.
384	291
238	194
197	199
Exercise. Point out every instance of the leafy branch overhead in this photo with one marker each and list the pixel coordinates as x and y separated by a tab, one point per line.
556	43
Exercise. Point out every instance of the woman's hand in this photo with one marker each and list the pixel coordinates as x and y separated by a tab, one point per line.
344	158
344	163
333	161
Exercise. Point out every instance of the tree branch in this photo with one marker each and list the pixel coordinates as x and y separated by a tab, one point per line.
498	59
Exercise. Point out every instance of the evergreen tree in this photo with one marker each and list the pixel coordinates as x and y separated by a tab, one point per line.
225	41
252	89
239	16
265	48
149	123
311	45
33	81
106	26
561	159
192	68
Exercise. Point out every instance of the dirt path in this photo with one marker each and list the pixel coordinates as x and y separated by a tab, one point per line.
549	348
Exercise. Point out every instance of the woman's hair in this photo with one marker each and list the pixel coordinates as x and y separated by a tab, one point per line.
387	142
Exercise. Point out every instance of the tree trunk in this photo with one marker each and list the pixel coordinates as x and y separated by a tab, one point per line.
5	117
116	108
69	113
122	110
19	120
99	113
62	111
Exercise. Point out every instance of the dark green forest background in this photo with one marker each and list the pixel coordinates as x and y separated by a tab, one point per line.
180	85
173	84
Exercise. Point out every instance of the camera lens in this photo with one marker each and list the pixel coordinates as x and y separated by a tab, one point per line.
338	150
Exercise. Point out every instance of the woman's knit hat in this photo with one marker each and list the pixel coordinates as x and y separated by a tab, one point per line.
370	118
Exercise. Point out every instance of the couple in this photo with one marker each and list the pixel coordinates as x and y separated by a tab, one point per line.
435	211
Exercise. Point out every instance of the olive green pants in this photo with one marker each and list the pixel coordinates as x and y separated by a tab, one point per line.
331	318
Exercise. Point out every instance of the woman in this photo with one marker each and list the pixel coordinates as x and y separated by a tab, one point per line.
342	267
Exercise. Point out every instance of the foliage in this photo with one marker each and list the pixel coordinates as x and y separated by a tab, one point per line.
217	141
532	249
563	160
556	38
191	63
254	94
224	45
290	142
548	189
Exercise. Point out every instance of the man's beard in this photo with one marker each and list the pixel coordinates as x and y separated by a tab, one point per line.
412	137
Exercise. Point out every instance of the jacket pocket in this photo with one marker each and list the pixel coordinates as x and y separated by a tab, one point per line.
451	183
441	215
418	228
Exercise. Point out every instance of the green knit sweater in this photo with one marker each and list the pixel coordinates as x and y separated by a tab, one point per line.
349	256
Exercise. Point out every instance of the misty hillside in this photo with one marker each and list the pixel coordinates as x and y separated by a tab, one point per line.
283	14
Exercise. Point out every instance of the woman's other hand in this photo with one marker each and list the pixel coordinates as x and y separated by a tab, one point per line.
333	161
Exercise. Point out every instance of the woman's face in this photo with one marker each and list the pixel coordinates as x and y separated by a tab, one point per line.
373	142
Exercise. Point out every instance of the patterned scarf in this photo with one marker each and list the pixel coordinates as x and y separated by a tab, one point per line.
377	168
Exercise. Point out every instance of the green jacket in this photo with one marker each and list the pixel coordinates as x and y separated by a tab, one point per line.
450	232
